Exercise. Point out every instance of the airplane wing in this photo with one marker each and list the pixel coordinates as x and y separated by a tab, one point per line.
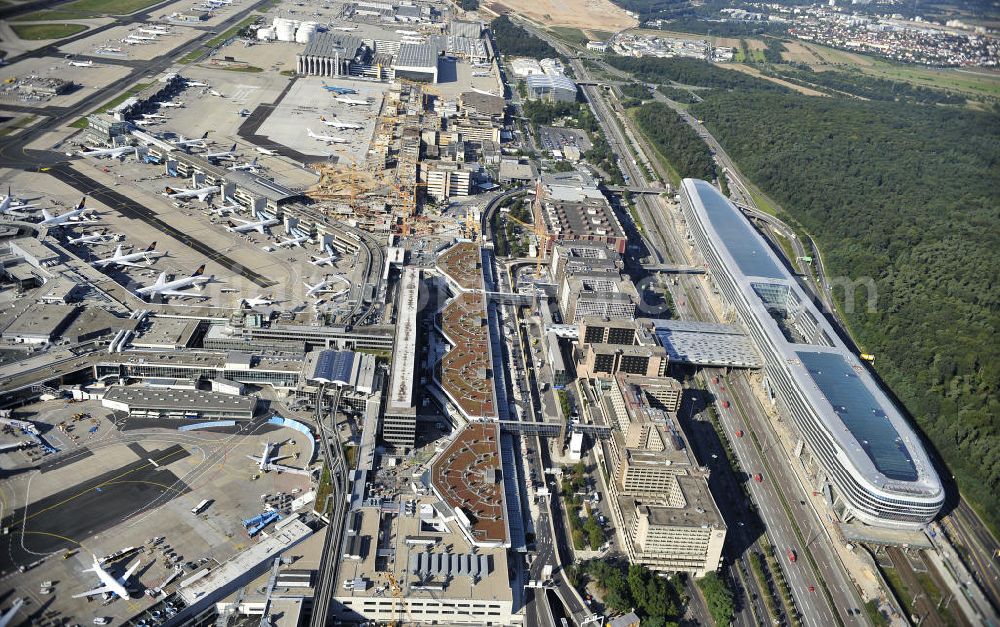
179	293
255	458
130	264
90	593
128	573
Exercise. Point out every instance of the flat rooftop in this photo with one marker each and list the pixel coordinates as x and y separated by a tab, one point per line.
175	399
404	356
467	476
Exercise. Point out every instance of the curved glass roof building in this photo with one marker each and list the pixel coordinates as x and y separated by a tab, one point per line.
870	457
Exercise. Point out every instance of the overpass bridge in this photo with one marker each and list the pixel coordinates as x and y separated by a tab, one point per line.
653	191
668	268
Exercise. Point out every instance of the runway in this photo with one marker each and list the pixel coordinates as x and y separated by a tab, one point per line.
66	518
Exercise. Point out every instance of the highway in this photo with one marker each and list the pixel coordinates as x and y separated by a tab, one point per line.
665	246
326	574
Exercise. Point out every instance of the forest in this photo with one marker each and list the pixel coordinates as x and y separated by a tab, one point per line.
863	86
904	194
688	72
514	41
688	154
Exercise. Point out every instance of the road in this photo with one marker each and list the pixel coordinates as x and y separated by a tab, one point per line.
326	574
664	245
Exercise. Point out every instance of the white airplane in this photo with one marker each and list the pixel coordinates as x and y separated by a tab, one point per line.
259	225
7	617
95	238
9	203
142	37
484	92
252	166
163	287
154	116
346	29
163	30
196	84
407	32
228	206
313	290
215	93
172	104
150	31
330	139
109	49
81	63
324	261
350	126
119	258
258	301
265	460
112	584
220	155
67	218
119	153
352	102
190	142
201	194
268	152
293	241
145	123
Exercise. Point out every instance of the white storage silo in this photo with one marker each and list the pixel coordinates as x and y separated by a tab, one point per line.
305	32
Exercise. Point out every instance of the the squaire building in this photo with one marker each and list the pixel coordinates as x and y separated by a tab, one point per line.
874	463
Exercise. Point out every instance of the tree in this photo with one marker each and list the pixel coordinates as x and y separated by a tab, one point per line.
718	597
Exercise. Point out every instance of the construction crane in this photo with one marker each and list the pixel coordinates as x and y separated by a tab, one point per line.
541	234
397	593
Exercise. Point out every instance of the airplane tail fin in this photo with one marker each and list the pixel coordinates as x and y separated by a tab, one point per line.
46	215
200	271
151	247
83	203
205	136
160	280
233	147
118	251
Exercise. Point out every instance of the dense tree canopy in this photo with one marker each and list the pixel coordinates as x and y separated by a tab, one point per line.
686	151
689	72
517	42
864	86
904	194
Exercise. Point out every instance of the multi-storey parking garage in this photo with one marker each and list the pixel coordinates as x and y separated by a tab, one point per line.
869	458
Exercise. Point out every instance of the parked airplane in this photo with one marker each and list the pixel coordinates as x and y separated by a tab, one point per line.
346	29
142	37
221	155
330	139
484	92
150	31
190	142
252	166
119	153
109	49
215	93
340	91
112	584
259	225
293	241
266	151
407	32
147	122
163	287
313	290
9	203
190	83
258	301
70	217
94	238
201	194
350	126
154	116
173	105
352	102
325	261
119	258
7	617
228	206
265	460
81	63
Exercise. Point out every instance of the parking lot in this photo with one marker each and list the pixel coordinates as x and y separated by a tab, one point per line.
556	138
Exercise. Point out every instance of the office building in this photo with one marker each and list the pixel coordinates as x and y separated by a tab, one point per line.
447	180
399	423
189	404
604	295
575	210
660	499
551	88
855	444
604	361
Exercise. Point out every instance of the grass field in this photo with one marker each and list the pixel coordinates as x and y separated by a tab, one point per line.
89	8
600	35
573	36
251	69
975	83
34	32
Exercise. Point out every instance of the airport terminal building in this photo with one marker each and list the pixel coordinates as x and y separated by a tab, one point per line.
865	456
